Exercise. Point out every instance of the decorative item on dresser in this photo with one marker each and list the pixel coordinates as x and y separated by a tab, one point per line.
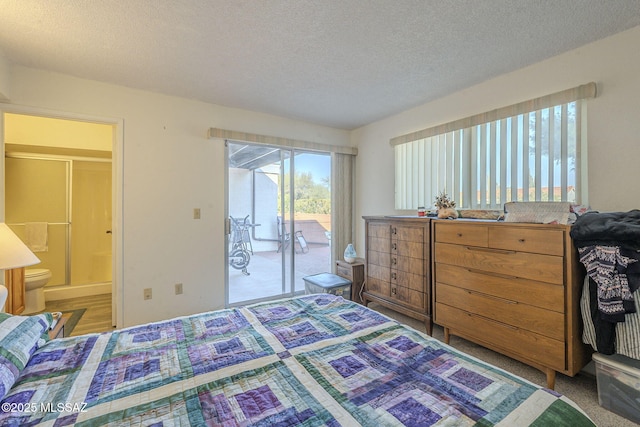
446	206
350	253
353	271
511	287
398	265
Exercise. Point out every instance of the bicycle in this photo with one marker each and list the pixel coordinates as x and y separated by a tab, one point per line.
239	255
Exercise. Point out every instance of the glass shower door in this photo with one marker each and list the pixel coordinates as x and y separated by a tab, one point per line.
37	190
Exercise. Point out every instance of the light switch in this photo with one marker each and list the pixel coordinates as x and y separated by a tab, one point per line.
196	213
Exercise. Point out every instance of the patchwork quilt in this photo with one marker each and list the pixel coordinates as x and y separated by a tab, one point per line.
316	360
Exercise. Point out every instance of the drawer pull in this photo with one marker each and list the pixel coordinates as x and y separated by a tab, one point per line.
491	273
493	297
394	276
394	291
496	251
504	325
521	240
395	246
394	230
459	234
394	261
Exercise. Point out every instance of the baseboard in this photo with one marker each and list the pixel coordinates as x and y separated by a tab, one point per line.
76	291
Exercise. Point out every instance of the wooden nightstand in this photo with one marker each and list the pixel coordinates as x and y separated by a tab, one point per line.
58	330
355	273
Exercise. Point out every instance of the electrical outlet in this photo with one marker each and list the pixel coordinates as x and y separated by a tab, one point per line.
147	293
196	213
178	288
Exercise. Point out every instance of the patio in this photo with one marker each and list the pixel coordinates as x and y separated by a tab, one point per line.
265	273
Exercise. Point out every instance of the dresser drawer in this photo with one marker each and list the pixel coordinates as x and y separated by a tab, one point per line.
529	345
381	259
378	272
409	265
544	268
378	287
510	312
544	295
408	280
379	244
380	230
404	248
538	241
408	234
345	272
408	297
462	234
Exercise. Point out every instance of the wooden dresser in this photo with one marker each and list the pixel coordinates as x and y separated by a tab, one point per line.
398	265
511	287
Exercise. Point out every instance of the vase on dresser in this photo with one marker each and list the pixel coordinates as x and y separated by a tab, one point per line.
350	254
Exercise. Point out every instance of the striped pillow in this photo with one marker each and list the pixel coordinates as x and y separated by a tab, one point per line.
20	337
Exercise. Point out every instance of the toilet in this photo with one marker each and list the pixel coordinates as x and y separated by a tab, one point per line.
34	281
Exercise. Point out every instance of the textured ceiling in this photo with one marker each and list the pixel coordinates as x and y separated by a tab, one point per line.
339	63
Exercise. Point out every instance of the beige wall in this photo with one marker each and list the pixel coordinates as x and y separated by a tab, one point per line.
168	167
613	123
47	132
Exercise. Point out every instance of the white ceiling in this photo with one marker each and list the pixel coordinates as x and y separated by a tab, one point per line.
339	63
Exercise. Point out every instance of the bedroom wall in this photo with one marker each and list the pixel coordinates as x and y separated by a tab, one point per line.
169	168
613	123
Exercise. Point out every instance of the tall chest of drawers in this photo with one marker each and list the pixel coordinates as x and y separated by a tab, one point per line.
398	265
511	287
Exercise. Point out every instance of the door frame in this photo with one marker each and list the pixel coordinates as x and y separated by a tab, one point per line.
117	178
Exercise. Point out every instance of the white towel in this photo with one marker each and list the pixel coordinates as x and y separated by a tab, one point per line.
36	236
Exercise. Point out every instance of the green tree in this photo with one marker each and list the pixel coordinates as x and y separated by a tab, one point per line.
310	196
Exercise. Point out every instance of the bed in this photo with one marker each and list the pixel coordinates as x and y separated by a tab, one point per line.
316	360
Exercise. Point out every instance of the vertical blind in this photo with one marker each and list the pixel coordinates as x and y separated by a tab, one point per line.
526	152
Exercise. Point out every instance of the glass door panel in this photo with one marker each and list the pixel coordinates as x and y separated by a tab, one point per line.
279	220
311	231
258	259
37	190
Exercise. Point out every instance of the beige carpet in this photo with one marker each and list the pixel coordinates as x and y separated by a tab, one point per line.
582	388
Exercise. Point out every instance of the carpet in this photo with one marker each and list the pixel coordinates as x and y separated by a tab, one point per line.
73	320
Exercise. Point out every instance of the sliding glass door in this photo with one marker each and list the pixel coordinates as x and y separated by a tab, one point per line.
279	220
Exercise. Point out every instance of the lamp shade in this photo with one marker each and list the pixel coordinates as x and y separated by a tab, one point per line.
14	253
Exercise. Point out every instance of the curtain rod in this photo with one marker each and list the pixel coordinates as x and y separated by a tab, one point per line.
279	141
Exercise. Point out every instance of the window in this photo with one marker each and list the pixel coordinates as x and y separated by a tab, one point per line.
526	152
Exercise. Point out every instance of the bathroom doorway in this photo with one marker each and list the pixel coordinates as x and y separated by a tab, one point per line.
58	172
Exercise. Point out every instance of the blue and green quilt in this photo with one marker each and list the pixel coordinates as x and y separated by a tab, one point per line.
316	360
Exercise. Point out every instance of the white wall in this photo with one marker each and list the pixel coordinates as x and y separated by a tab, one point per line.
170	167
613	123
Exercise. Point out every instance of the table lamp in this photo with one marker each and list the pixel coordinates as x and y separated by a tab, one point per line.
13	254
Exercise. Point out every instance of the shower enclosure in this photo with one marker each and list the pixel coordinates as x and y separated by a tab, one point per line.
73	196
